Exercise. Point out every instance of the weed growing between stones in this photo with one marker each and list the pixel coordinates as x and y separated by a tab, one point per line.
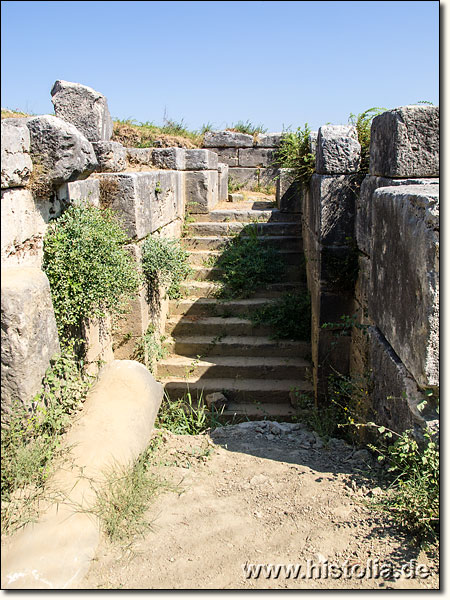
247	264
290	316
165	263
234	185
247	127
30	442
134	134
186	416
295	153
149	349
363	123
90	273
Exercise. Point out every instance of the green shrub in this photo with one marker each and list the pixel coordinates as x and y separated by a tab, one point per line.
90	272
295	153
290	316
363	123
30	442
247	264
164	262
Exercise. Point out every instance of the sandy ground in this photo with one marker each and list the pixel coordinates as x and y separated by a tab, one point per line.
262	493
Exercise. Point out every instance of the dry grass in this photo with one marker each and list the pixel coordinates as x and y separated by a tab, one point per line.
13	114
108	190
39	183
133	135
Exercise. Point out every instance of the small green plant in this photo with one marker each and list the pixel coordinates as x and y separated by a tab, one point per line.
90	272
158	188
324	420
247	127
290	316
30	442
247	264
363	123
234	185
149	349
187	416
122	502
164	262
295	153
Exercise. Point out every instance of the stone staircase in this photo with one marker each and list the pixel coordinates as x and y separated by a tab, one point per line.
213	346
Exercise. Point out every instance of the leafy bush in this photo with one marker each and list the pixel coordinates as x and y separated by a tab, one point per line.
164	262
247	264
89	271
290	316
363	123
295	153
30	442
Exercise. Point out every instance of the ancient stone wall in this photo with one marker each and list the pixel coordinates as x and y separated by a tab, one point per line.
372	251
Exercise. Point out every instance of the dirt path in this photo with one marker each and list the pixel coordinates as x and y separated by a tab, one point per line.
259	492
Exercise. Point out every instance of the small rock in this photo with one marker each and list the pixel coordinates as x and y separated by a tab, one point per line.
259	479
270	436
235	197
275	429
376	492
216	400
361	456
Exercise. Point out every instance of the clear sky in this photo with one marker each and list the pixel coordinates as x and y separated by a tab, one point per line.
274	63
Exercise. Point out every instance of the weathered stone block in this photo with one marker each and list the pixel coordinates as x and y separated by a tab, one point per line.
229	156
245	176
63	153
29	334
83	107
394	395
405	142
338	150
404	293
16	161
268	176
199	160
140	156
144	201
332	207
313	142
255	157
169	158
202	191
222	170
227	139
268	140
77	192
111	156
288	192
24	222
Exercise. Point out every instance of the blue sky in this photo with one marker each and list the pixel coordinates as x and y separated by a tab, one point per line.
274	63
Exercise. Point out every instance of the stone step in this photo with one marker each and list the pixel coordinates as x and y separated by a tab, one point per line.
252	367
213	307
202	257
291	273
215	326
221	242
251	411
236	390
207	289
227	229
208	345
246	216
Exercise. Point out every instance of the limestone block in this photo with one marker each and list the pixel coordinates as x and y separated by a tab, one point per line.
394	394
229	156
338	150
202	191
97	335
268	176
227	139
113	428
140	156
77	192
268	140
313	141
29	335
24	222
363	225
198	160
332	207
223	170
16	161
83	107
143	201
288	192
405	142
404	292
60	150
255	157
245	176
169	158
111	156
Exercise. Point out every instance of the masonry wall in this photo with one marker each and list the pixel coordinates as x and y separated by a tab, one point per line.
372	251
